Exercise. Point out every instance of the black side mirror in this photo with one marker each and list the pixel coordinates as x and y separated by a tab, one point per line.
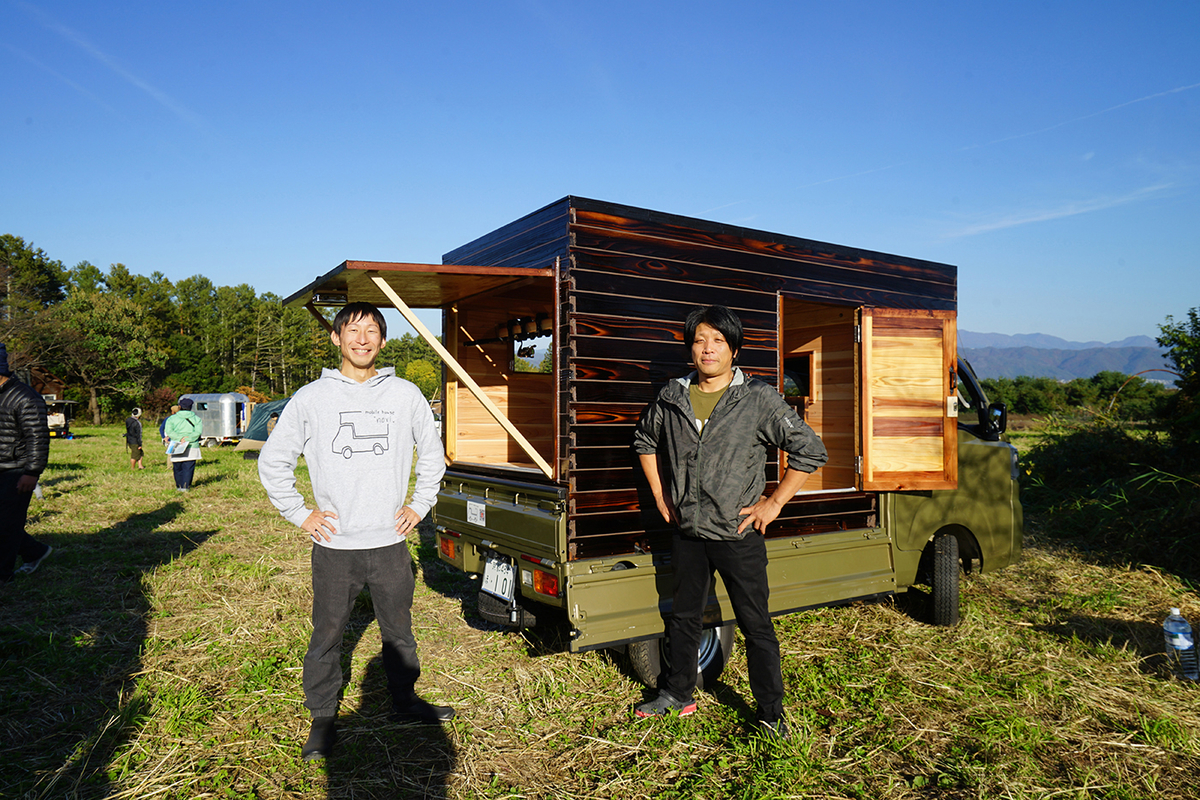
998	418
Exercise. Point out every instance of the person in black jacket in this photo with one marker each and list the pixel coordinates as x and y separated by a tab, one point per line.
703	445
24	450
133	438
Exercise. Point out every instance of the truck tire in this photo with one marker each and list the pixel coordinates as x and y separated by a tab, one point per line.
649	658
945	580
496	611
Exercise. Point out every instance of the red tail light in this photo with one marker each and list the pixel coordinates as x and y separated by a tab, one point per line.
545	583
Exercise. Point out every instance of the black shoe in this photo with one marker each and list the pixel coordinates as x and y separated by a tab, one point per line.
777	729
422	712
320	741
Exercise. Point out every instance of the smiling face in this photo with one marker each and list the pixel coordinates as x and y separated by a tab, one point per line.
360	341
712	356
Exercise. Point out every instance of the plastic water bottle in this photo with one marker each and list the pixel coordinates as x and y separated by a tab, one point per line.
1181	649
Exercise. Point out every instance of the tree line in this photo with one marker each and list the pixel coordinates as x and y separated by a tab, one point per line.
121	339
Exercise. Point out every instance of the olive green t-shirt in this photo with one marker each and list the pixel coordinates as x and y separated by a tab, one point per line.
703	404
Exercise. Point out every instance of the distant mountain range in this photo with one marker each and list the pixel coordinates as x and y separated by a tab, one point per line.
1037	355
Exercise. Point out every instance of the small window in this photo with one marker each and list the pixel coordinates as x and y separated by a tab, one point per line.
797	376
201	406
529	344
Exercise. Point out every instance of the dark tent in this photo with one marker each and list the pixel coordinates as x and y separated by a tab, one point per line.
256	431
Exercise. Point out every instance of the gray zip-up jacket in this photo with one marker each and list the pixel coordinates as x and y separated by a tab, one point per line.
713	475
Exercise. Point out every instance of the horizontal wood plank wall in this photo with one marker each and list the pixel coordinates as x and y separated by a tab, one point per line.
531	241
827	332
633	277
627	279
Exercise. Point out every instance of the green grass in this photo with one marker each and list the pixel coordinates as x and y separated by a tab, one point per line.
157	653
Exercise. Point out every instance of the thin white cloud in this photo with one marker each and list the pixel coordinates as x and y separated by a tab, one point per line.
1080	119
1011	138
162	98
1068	210
82	90
854	175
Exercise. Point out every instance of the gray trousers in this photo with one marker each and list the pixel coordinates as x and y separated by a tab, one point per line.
337	578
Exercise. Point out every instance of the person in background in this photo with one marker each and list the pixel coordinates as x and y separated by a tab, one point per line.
24	451
133	438
183	431
362	518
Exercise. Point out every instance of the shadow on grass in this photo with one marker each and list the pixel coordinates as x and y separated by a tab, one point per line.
375	756
1145	639
207	478
71	637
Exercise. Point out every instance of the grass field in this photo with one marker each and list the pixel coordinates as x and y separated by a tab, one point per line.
156	654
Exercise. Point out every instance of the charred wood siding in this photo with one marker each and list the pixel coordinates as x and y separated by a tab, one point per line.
534	241
627	278
633	276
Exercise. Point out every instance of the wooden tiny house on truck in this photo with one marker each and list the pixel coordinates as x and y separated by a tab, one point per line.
543	496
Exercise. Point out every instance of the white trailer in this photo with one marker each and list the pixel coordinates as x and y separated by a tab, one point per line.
224	416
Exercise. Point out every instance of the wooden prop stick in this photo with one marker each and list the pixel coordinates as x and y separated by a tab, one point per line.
462	375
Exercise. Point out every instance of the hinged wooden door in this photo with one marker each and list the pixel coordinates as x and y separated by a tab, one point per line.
908	426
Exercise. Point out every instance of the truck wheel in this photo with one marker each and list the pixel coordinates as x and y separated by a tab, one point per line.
496	611
210	442
650	658
945	580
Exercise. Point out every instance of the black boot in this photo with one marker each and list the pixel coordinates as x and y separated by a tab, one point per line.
320	740
421	712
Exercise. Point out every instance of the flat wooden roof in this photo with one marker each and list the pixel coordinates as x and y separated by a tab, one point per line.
420	285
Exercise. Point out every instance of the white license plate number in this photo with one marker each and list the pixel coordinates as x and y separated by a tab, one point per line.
499	578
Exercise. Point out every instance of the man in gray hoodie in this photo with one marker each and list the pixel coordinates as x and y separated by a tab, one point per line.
357	427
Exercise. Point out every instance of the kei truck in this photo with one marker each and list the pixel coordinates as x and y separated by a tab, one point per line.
559	329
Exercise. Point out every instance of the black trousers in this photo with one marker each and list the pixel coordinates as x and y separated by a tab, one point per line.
337	578
14	510
742	565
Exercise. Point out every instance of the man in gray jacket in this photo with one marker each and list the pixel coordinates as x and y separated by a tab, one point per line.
24	450
703	445
357	427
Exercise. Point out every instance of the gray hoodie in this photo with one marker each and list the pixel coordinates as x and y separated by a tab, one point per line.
358	441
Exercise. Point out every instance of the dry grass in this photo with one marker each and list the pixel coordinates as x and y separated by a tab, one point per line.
157	654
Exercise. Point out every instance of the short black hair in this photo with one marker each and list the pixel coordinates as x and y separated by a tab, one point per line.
718	317
353	311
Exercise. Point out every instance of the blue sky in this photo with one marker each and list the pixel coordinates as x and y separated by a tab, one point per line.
1049	150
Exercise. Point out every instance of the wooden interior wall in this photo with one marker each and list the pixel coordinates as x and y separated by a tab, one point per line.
828	333
526	399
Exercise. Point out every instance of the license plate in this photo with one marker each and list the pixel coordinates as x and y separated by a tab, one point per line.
499	578
477	513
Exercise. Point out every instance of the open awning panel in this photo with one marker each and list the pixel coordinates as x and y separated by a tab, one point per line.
404	286
421	285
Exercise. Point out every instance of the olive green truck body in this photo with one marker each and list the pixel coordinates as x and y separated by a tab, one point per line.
560	327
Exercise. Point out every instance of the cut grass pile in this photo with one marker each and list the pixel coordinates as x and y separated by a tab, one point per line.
157	654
